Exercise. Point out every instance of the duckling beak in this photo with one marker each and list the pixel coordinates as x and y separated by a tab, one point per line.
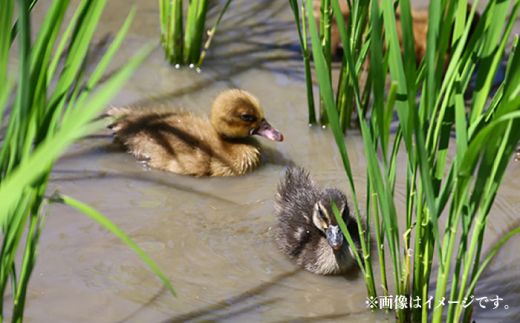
265	130
334	237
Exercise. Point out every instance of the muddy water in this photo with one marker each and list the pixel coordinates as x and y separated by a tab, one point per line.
212	237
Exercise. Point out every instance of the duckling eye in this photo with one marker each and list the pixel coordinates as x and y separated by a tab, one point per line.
248	118
322	215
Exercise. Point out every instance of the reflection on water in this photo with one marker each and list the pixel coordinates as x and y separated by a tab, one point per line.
212	237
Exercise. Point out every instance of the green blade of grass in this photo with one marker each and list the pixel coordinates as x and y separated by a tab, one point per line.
23	95
6	15
75	127
103	64
190	30
30	254
492	169
491	56
14	30
409	48
81	37
30	145
301	26
347	235
397	75
164	11
486	261
477	143
4	97
325	32
199	31
64	38
328	97
376	70
212	33
87	17
42	49
345	36
177	42
47	34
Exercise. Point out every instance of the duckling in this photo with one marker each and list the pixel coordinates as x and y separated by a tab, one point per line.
185	143
306	229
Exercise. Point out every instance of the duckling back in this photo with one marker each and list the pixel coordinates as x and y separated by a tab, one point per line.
296	192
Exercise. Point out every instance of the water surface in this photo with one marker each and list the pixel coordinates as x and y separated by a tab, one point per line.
212	237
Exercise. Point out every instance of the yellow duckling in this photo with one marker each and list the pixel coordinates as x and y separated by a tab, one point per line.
185	143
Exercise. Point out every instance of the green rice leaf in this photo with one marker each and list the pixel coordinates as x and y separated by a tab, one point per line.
326	89
81	37
492	55
6	15
77	125
347	235
103	64
490	256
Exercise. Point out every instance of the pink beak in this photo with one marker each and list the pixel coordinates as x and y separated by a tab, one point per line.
265	130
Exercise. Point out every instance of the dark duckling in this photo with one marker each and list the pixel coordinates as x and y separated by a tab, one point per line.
306	229
185	143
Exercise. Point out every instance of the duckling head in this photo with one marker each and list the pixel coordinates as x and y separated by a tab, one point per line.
237	114
324	219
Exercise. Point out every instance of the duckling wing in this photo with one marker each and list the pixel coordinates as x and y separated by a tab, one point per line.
175	141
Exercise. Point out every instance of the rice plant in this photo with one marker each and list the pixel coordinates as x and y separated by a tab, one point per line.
358	47
461	191
302	34
184	45
42	121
